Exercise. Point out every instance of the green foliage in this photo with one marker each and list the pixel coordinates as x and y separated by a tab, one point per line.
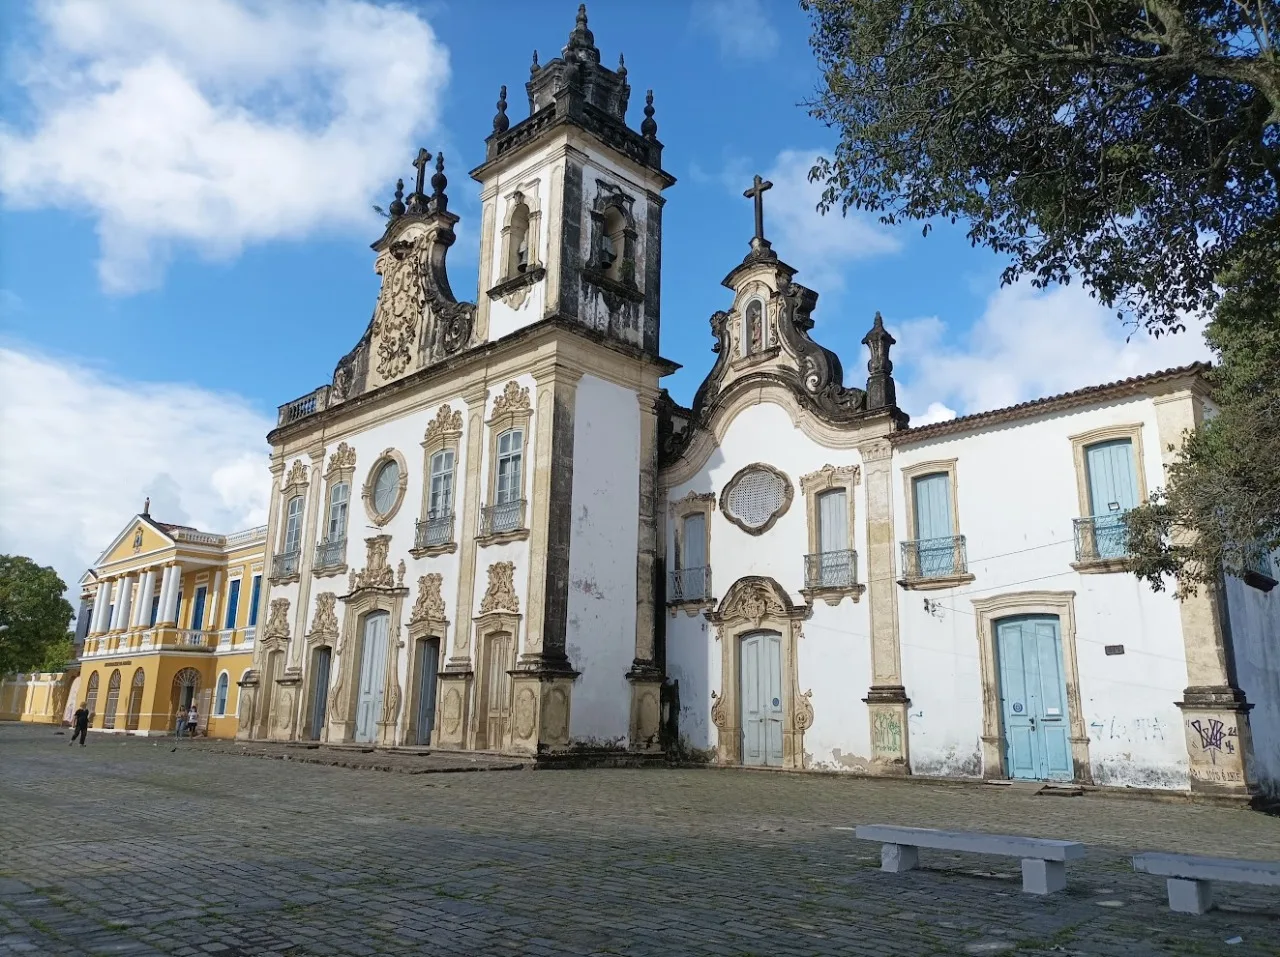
58	655
33	614
1221	505
1131	144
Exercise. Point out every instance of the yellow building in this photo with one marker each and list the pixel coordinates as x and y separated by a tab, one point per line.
38	697
168	617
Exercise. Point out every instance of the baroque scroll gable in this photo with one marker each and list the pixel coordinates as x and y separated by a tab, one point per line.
430	604
446	425
501	593
514	398
342	460
297	474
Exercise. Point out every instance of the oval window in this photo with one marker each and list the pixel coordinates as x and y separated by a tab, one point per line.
386	487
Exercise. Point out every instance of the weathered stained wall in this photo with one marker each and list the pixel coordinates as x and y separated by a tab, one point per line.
600	640
1255	640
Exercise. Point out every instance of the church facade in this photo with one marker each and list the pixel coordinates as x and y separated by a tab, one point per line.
494	530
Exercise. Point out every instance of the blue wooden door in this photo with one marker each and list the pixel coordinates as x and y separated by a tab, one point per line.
1033	698
761	691
197	612
428	665
934	528
320	694
373	673
1113	490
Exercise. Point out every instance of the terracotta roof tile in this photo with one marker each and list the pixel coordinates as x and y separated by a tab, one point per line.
1051	403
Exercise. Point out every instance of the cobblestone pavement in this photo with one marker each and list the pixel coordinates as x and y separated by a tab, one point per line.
130	847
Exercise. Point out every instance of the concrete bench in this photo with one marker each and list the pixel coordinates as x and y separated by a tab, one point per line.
1191	878
1044	867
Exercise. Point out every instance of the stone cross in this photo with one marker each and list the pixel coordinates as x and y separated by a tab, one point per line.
757	192
421	165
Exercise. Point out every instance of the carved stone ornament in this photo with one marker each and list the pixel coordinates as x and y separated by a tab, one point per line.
756	598
324	624
514	398
719	716
829	476
501	593
430	604
693	502
377	572
399	309
446	424
343	459
804	711
297	474
277	620
400	570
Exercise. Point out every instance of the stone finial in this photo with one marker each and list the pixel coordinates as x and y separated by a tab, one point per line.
500	122
582	42
146	506
534	67
622	66
648	126
397	205
882	393
439	201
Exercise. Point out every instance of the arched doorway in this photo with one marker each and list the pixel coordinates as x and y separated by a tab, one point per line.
760	694
91	696
186	683
113	700
373	674
135	700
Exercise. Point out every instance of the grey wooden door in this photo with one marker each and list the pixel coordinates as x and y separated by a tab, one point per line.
373	674
428	665
320	691
761	695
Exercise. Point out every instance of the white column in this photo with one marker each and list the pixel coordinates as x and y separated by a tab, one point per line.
175	586
142	616
117	586
166	594
212	624
100	607
124	604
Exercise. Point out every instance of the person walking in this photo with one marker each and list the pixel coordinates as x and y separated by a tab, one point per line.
81	726
193	718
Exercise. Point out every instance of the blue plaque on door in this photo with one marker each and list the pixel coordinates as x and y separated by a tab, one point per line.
1017	707
776	702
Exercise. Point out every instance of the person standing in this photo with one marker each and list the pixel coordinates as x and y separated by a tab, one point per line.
193	717
81	726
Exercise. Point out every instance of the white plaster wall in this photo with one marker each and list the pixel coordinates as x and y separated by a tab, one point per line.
834	658
1017	498
601	633
1255	639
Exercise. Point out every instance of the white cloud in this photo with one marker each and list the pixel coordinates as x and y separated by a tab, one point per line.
741	27
820	247
1028	343
216	123
82	451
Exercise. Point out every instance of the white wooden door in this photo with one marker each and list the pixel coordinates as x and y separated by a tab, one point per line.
373	674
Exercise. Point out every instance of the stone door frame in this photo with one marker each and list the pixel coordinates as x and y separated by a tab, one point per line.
989	611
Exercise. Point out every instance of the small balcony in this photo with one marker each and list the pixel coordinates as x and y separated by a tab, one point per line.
433	532
1259	569
285	565
502	519
331	556
1101	538
690	585
196	639
935	563
307	405
831	569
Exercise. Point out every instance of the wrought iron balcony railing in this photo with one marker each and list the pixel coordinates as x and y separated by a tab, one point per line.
1100	537
505	517
837	569
285	564
435	529
1259	562
331	554
934	558
690	584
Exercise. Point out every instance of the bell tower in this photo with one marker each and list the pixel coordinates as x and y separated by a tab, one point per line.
572	204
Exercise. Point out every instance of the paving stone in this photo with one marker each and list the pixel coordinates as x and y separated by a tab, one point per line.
209	850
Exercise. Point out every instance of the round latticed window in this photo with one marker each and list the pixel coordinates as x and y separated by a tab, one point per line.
756	497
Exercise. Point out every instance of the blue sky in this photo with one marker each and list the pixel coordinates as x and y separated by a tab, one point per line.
186	223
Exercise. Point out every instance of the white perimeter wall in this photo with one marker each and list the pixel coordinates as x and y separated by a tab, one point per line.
1017	499
1255	638
602	559
834	656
